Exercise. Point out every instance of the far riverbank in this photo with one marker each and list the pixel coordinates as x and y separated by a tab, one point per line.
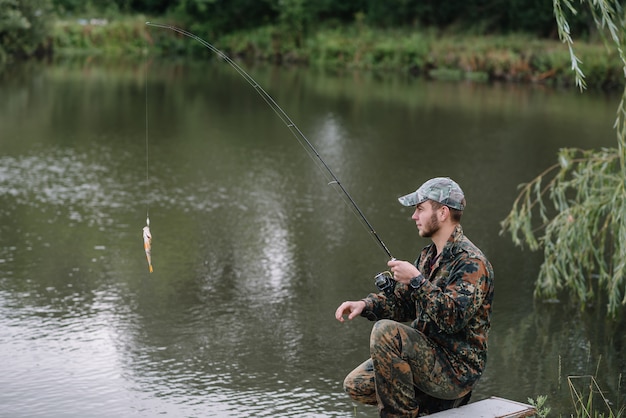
516	58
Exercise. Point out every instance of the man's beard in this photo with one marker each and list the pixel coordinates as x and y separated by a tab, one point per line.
431	227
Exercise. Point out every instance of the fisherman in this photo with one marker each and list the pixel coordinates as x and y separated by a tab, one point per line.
434	363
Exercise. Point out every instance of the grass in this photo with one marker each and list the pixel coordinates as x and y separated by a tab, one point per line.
588	399
512	58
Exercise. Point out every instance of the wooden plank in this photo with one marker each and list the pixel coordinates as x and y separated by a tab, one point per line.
493	407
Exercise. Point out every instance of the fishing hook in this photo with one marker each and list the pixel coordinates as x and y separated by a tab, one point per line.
286	120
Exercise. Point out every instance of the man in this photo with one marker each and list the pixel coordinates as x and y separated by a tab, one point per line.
434	363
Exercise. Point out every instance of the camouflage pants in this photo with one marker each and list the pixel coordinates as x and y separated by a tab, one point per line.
404	369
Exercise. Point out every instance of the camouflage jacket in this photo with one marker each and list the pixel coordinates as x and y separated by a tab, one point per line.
453	307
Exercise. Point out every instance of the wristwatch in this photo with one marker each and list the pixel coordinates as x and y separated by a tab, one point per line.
417	281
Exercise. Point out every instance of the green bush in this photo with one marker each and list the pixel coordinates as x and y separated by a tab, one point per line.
116	37
24	27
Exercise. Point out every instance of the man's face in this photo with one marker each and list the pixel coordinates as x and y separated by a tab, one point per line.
426	219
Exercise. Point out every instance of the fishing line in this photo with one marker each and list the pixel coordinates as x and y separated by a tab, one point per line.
146	234
147	142
302	139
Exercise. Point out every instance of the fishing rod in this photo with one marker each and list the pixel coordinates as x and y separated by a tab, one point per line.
302	139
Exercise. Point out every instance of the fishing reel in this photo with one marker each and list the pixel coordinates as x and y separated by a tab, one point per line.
385	283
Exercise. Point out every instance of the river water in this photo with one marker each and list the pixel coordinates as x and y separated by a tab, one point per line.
252	249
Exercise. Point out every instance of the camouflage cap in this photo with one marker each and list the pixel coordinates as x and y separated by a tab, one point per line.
440	189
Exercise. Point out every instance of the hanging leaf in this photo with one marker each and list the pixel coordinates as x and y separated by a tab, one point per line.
584	226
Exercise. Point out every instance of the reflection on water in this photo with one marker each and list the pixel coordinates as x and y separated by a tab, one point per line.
252	249
78	183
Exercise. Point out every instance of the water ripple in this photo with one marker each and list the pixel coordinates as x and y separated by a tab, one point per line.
65	178
93	184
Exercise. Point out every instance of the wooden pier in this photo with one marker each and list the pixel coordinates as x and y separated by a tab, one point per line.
493	407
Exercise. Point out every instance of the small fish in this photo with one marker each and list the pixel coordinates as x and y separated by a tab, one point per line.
147	243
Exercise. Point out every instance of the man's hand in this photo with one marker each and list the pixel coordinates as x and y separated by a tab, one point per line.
402	271
350	308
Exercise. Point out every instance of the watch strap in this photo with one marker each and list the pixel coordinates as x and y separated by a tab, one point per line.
417	281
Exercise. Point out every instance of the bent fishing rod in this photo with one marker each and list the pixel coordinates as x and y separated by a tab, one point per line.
302	139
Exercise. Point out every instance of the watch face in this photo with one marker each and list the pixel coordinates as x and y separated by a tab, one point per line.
416	282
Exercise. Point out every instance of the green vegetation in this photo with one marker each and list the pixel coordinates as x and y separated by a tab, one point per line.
583	249
513	57
473	39
543	410
589	400
24	28
576	209
124	36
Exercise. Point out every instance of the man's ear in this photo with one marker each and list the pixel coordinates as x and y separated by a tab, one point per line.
445	213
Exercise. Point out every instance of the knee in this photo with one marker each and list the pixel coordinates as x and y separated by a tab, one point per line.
382	334
383	327
360	386
349	385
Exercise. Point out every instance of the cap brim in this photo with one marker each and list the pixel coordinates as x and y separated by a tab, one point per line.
408	200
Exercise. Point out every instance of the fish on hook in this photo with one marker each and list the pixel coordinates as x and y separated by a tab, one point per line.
147	244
